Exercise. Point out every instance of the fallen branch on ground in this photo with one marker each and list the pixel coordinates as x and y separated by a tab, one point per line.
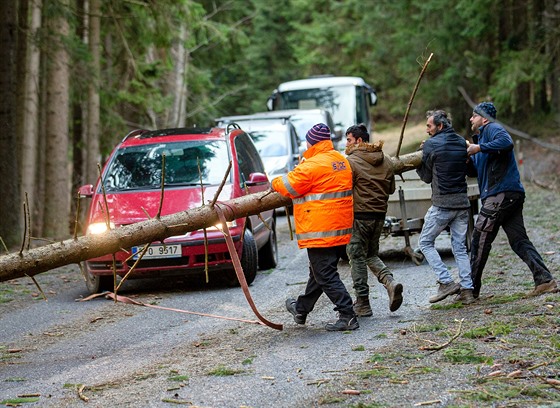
438	347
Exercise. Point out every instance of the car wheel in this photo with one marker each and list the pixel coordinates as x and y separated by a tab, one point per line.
248	261
97	284
268	254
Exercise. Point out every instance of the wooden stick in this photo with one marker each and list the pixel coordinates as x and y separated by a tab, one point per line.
25	211
442	346
38	287
77	219
204	230
405	119
158	216
221	185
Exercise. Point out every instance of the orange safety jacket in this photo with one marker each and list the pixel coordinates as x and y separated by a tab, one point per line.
321	191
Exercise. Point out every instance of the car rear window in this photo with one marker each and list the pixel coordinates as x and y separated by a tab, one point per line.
140	167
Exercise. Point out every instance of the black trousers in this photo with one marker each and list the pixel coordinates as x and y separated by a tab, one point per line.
324	278
504	210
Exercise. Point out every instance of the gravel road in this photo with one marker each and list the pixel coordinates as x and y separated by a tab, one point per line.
125	354
63	352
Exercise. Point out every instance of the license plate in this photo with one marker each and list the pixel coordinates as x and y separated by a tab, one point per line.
158	251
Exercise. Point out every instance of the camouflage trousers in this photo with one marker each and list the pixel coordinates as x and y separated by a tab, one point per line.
363	251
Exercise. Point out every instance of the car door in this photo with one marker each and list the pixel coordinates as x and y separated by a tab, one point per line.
253	180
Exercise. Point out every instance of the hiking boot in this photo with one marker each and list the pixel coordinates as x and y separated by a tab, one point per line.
362	307
299	318
548	287
394	290
444	290
466	296
476	293
343	323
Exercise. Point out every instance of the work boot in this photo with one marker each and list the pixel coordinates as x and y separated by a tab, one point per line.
394	290
466	296
362	307
299	318
548	287
343	323
444	290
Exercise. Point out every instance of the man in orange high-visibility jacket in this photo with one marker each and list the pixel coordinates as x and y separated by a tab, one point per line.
321	191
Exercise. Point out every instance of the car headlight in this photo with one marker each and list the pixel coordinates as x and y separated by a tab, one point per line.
97	228
218	226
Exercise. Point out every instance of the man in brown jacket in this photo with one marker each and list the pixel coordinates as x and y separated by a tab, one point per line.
373	181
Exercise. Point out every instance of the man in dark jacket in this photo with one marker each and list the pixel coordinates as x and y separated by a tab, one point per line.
492	160
444	165
373	181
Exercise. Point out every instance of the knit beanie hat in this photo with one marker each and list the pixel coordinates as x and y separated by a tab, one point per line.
318	133
486	109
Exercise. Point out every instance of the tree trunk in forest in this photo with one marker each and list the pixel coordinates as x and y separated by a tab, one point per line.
78	119
523	28
57	175
40	193
173	83
71	251
11	222
30	118
176	84
93	111
551	19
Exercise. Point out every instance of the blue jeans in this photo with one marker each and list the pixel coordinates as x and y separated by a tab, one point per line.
435	221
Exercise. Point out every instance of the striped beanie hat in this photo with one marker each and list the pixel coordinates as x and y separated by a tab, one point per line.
318	133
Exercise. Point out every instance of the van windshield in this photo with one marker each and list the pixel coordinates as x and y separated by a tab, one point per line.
339	100
140	167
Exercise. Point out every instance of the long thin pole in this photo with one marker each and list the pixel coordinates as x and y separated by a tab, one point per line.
405	119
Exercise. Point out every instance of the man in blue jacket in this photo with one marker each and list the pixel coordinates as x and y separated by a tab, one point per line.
444	166
492	160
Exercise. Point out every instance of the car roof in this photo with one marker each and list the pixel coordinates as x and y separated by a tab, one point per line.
275	114
320	82
271	124
144	136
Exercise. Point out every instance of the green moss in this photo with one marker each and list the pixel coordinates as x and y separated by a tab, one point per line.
465	354
222	371
493	329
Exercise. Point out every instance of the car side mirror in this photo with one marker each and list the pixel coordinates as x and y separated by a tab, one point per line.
256	179
86	191
271	100
372	98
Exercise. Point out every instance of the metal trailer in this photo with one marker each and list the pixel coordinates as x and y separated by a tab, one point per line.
408	206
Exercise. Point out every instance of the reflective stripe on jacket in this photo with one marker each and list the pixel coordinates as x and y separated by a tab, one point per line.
321	191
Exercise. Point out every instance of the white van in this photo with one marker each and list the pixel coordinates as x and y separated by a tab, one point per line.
346	98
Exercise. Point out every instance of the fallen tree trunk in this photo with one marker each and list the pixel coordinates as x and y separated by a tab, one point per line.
72	251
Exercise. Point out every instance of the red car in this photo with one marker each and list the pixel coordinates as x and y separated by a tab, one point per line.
132	181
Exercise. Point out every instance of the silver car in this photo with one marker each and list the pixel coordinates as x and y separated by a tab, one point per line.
275	138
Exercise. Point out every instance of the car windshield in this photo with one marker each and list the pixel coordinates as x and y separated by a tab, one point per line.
140	167
303	123
270	142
